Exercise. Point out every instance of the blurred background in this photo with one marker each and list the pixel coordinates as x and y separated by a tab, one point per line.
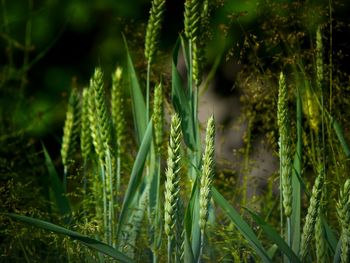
47	45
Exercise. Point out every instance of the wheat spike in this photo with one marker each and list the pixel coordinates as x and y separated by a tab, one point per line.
321	248
172	187
343	210
71	127
192	21
285	146
85	134
153	28
157	116
207	173
312	214
319	58
117	105
102	116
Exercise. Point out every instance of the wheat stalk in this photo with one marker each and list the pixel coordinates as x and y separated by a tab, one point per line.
192	22
172	187
312	214
157	117
321	249
85	133
285	146
71	127
102	117
117	109
343	210
153	28
319	58
207	173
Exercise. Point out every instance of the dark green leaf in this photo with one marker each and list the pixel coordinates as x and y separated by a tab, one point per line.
89	242
137	99
339	132
136	175
182	102
60	198
241	225
296	185
274	237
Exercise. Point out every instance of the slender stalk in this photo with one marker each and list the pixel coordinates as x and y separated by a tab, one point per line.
104	190
202	245
169	250
330	56
289	235
148	90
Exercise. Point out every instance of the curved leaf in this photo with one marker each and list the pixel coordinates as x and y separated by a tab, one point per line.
87	241
241	225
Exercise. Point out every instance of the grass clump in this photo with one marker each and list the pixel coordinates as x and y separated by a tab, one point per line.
184	208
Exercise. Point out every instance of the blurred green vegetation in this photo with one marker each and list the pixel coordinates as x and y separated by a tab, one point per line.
48	46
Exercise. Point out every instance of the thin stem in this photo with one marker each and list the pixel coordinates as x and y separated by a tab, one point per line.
201	248
169	249
330	56
111	221
281	199
148	90
118	173
289	234
104	202
65	172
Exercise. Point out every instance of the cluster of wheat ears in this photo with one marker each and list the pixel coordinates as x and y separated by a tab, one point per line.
179	201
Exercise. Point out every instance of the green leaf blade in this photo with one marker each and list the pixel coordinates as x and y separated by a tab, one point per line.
137	99
241	225
136	175
55	184
89	242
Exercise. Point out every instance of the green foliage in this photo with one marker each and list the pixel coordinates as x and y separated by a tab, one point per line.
118	196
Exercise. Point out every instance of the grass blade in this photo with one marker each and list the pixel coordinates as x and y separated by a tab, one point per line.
189	257
296	185
330	237
137	99
136	175
337	253
241	225
339	132
274	237
182	102
89	242
56	186
192	221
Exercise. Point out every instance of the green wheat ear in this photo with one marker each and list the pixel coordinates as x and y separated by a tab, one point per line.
312	213
192	21
207	173
94	129
153	28
319	58
158	116
192	18
117	105
85	133
172	187
321	247
285	146
343	211
71	127
101	107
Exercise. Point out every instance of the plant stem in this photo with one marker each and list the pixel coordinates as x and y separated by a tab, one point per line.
201	248
104	202
148	90
169	249
289	234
